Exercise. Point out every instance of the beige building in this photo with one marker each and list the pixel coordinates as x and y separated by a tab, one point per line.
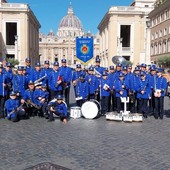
19	30
160	30
54	47
124	32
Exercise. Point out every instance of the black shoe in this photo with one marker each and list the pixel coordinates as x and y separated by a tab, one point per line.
161	117
156	117
145	116
50	120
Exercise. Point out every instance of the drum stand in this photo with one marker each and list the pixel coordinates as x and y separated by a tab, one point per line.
125	100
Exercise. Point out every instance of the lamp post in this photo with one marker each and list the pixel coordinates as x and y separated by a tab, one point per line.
120	45
16	47
147	48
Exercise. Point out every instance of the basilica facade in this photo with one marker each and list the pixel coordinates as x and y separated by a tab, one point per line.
54	47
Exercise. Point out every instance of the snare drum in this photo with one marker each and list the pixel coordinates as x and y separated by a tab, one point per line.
75	112
137	117
90	109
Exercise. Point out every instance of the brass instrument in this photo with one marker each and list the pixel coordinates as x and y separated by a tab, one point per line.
29	102
39	81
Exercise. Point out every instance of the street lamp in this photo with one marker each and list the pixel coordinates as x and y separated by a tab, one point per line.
16	47
120	39
147	52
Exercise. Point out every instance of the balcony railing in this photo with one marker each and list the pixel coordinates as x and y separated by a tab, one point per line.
10	47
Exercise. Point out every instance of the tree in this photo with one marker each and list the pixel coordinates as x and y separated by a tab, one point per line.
164	61
13	61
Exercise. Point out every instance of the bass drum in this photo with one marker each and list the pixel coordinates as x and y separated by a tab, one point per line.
90	109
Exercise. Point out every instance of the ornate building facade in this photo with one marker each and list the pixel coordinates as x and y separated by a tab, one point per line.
160	30
124	32
19	30
54	47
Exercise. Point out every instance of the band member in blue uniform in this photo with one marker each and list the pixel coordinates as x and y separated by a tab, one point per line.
143	94
29	69
99	71
19	83
29	100
82	90
55	81
105	93
133	102
93	83
159	93
38	74
112	99
47	69
9	76
152	80
59	108
118	71
3	91
98	68
14	110
121	87
76	75
66	73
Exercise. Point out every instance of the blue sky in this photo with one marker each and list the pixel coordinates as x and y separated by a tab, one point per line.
50	12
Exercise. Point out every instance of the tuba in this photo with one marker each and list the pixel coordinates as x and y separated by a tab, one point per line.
119	60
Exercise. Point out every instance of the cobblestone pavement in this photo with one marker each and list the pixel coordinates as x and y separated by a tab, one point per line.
86	144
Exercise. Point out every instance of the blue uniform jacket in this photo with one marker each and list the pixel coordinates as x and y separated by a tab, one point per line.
66	73
3	79
104	82
52	81
37	75
118	87
82	89
93	83
143	85
11	105
161	84
61	108
19	84
29	95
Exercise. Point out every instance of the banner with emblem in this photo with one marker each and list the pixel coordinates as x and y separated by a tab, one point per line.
84	48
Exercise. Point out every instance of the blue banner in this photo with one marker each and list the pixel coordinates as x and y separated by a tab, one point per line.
84	48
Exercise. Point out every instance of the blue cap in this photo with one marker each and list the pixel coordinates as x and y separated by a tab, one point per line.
143	65
30	82
104	73
63	60
23	67
20	68
137	69
37	64
78	66
142	73
121	75
159	70
59	96
56	63
129	65
82	76
124	68
28	59
97	60
112	68
8	64
12	93
91	68
119	65
153	67
46	62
